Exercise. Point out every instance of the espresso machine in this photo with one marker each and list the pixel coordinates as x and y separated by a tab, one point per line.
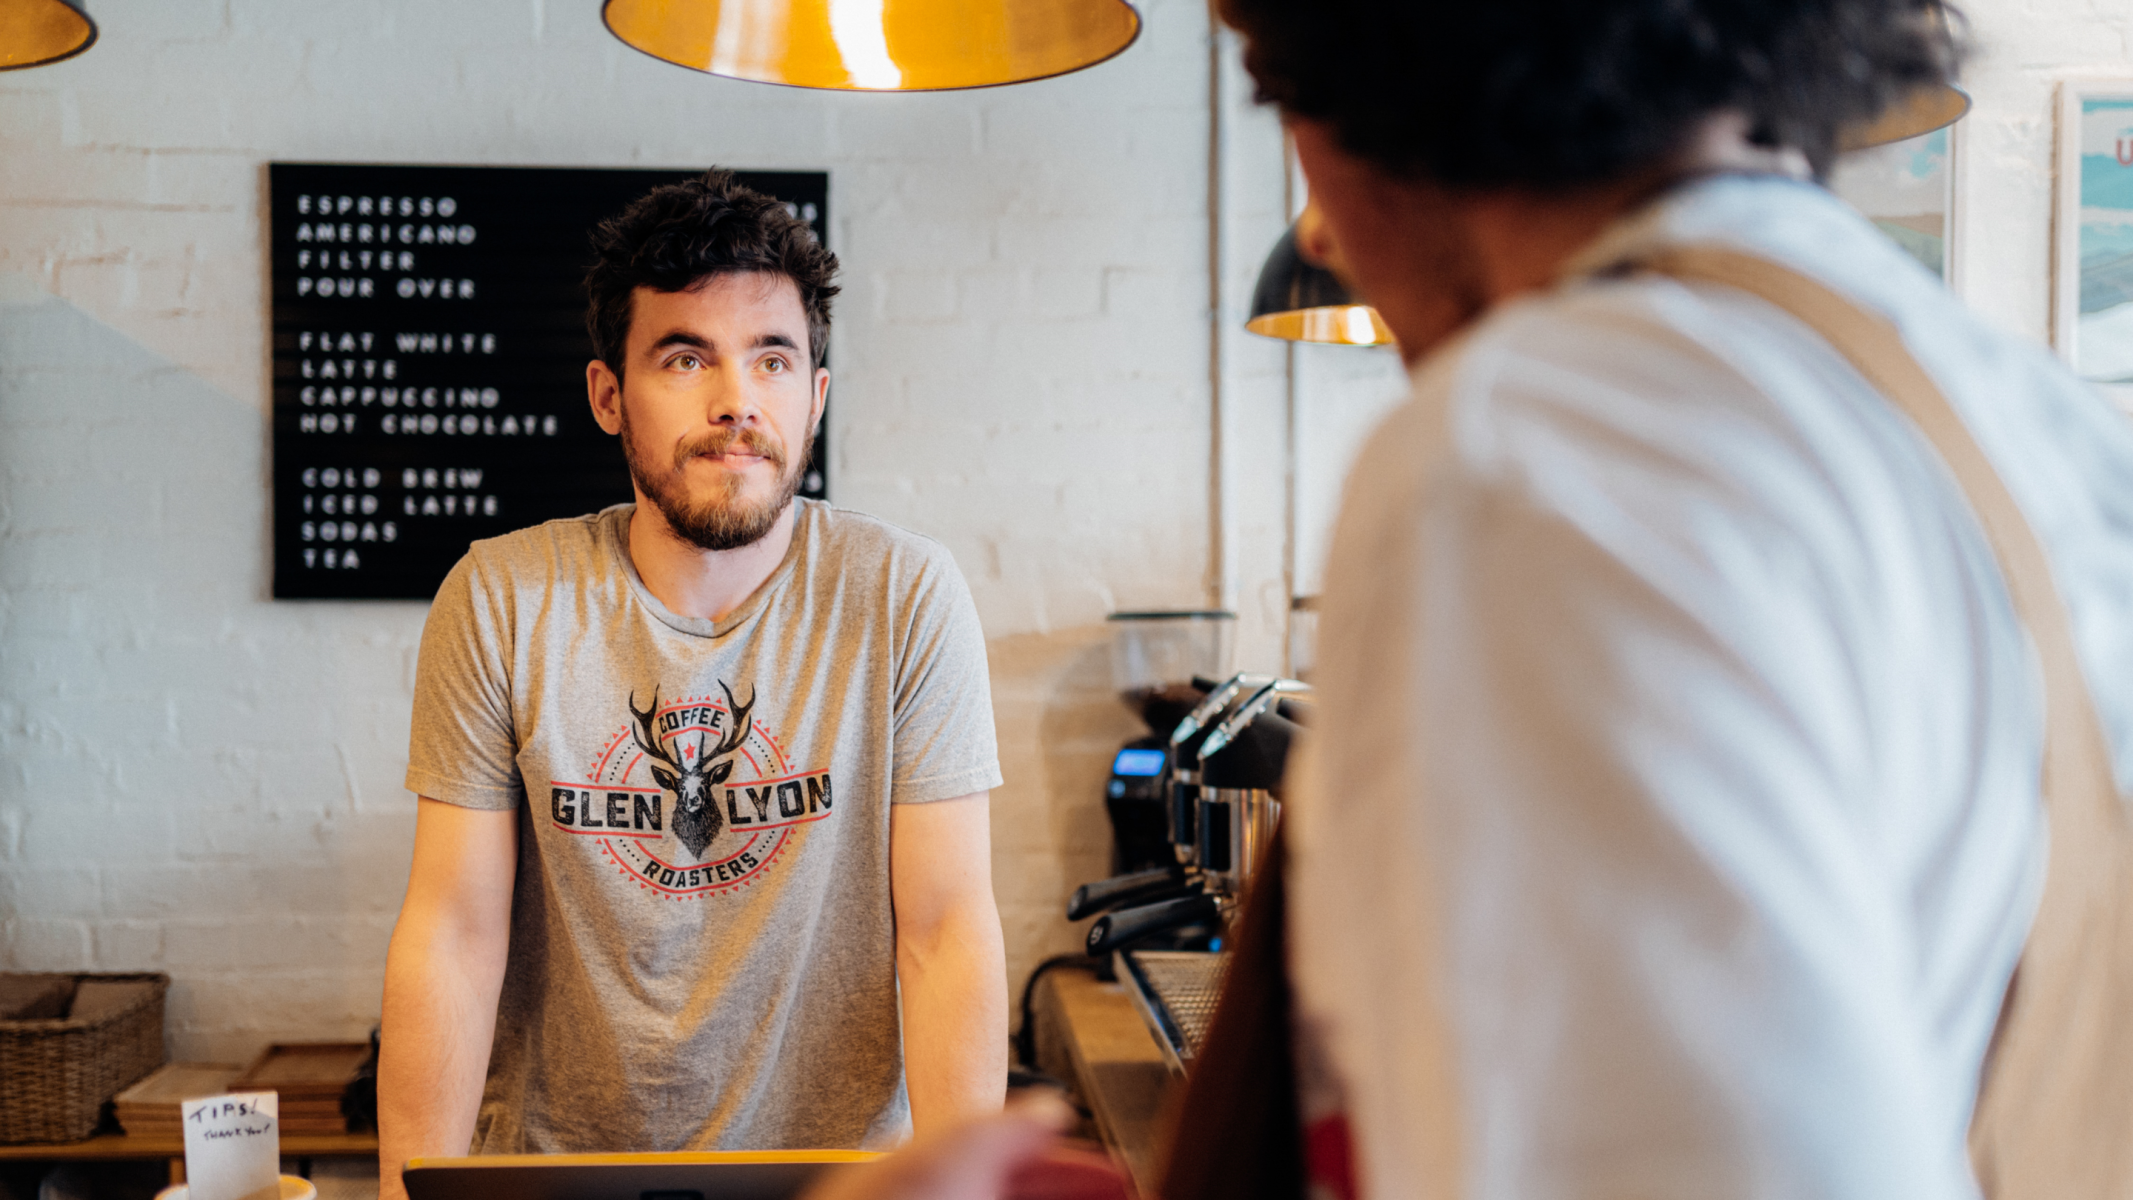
1220	786
1162	928
1239	781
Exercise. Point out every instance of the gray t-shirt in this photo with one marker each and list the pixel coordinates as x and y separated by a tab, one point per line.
702	945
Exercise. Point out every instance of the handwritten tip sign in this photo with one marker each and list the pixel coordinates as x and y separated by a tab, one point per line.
233	1146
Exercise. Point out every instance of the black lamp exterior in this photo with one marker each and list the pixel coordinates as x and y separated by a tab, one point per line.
1288	282
1297	300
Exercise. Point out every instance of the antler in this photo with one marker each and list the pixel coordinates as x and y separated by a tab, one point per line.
738	732
646	736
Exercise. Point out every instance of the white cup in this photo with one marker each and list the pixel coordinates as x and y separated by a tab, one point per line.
292	1188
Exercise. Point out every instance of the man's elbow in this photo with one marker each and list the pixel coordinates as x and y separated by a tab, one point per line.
961	932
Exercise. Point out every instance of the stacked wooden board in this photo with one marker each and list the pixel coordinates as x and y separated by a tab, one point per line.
150	1108
311	1078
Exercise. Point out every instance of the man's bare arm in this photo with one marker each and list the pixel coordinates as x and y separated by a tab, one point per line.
442	977
949	960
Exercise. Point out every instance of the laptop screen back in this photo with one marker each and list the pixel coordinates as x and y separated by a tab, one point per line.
732	1175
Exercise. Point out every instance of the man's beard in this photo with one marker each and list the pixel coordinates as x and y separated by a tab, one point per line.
722	521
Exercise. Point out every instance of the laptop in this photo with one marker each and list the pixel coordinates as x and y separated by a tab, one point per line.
706	1175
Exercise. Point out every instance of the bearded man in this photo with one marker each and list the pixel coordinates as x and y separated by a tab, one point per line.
703	778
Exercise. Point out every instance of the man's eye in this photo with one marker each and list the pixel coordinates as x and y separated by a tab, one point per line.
687	362
774	365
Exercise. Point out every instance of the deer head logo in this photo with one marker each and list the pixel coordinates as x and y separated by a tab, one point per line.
696	816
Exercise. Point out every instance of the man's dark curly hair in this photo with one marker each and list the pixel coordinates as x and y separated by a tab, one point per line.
1491	93
680	234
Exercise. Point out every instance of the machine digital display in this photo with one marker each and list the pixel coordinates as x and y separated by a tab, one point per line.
1138	763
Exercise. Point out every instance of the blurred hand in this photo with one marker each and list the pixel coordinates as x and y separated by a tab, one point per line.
1016	1155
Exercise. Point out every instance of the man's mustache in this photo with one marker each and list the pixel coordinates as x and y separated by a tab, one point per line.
720	441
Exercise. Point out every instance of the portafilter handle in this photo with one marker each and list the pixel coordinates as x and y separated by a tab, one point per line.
1116	929
1092	898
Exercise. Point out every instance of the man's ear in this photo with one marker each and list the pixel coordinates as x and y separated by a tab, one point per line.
822	386
603	390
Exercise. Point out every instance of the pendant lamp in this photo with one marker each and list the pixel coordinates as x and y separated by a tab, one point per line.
36	32
1923	111
877	45
1299	299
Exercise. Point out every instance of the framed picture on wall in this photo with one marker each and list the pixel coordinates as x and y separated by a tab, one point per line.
2092	250
1907	189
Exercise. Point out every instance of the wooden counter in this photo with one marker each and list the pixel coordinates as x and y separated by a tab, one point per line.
1117	1069
1105	1053
111	1147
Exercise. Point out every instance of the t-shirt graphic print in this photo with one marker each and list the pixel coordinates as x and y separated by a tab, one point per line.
703	940
711	769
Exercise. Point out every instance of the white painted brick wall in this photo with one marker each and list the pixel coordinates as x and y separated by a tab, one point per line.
198	780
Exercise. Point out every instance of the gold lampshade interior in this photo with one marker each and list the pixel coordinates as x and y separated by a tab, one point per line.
35	32
878	45
1339	325
1921	112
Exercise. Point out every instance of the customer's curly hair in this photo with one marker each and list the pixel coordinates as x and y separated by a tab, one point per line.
1485	93
680	234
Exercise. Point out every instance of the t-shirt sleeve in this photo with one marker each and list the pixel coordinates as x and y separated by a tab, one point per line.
944	744
463	746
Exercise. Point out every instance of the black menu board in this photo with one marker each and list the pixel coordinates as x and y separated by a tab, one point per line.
429	363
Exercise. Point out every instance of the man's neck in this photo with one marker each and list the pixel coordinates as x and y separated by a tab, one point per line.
694	582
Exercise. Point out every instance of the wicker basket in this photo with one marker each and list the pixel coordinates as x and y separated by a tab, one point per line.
55	1075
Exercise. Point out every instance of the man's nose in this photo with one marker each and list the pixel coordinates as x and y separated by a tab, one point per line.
731	401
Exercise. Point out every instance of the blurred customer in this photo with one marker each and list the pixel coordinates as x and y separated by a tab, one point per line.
1675	827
